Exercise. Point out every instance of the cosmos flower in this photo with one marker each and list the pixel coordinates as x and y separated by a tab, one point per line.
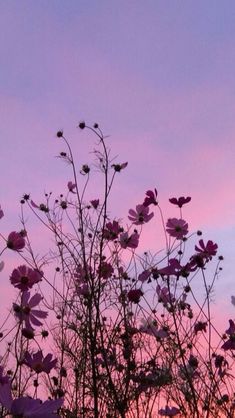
95	203
151	198
15	241
141	215
26	312
38	363
177	228
180	201
24	277
26	407
134	295
169	412
131	241
71	186
208	250
112	230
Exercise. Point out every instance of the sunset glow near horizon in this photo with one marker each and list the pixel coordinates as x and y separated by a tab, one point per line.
158	77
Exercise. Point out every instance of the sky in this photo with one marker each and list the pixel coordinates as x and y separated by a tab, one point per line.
158	77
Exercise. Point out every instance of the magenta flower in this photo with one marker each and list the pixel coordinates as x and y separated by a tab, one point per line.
112	230
177	228
131	241
71	186
164	295
231	330
173	268
1	265
15	241
1	213
200	326
26	407
151	198
230	343
95	203
144	276
140	215
105	270
83	290
207	251
26	312
169	412
180	201
134	295
38	363
24	277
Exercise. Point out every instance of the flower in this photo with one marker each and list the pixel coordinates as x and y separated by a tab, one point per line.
173	268
27	407
25	311
1	213
24	277
177	228
3	379
149	326
144	276
164	295
200	326
15	241
131	241
230	343
134	295
119	167
140	215
180	201
38	363
71	186
41	207
105	270
208	250
112	230
151	198
169	412
95	203
1	265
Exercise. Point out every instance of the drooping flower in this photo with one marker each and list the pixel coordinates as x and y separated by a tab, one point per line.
1	213
177	228
71	187
180	201
207	251
134	295
24	277
131	241
169	412
95	203
26	312
26	407
15	241
38	363
151	198
141	215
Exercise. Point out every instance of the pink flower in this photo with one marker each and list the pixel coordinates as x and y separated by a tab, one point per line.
15	241
151	198
25	311
38	363
141	215
112	230
95	203
83	290
24	277
177	228
1	213
71	186
26	407
134	295
105	270
164	295
149	326
131	241
180	201
169	412
144	276
207	251
173	268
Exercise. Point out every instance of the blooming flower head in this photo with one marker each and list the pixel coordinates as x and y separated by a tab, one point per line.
25	407
1	212
71	186
24	277
169	412
119	167
131	241
164	295
230	343
208	250
15	241
151	198
144	276
180	201
141	215
112	230
134	295
173	268
26	312
105	270
177	228
38	363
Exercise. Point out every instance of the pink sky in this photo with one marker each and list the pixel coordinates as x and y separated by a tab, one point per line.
157	76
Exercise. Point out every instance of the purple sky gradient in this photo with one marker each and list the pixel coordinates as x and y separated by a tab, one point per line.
158	76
